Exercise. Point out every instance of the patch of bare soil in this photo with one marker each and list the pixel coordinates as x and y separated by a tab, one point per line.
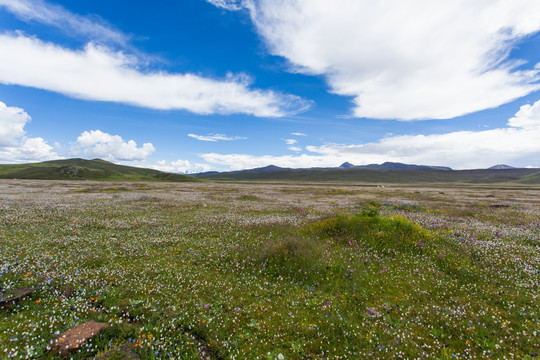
71	339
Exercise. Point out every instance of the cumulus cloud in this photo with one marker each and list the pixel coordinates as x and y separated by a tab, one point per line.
14	145
180	166
91	27
405	59
516	144
96	143
12	122
216	137
98	73
28	150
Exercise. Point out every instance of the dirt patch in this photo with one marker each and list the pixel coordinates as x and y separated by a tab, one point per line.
71	339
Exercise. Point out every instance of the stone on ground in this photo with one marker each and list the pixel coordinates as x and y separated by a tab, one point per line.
73	338
13	296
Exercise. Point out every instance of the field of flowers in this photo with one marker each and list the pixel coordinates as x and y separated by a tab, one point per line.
258	271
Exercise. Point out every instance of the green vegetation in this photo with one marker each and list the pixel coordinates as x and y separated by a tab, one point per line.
81	169
250	271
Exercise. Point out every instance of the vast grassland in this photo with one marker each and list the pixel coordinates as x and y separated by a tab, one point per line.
247	271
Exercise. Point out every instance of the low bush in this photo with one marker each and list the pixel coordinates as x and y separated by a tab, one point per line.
372	229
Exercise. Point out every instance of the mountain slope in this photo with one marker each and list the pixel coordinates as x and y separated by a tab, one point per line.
81	169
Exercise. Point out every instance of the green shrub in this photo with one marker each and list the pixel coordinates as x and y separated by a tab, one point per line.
370	228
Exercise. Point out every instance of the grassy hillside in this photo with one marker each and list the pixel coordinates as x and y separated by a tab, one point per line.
81	169
515	176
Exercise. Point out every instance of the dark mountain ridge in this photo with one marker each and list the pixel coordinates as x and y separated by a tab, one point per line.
386	173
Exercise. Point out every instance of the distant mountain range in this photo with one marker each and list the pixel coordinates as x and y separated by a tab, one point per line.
388	172
392	166
501	167
347	165
81	169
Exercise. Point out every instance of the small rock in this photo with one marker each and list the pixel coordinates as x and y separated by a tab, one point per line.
13	296
373	312
73	338
67	291
204	352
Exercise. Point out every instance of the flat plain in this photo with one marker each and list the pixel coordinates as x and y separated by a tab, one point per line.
271	271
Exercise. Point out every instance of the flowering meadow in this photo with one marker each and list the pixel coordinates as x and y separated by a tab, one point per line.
271	271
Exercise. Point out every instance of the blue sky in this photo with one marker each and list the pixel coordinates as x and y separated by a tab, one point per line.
195	85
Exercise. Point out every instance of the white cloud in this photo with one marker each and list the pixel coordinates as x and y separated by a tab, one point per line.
246	161
227	4
295	148
216	137
528	116
14	145
12	122
55	15
98	73
290	141
96	143
28	150
515	144
298	134
180	166
405	59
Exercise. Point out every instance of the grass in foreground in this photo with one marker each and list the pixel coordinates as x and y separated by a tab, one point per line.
253	272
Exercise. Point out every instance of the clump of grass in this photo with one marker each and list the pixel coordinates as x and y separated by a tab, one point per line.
370	228
300	254
247	197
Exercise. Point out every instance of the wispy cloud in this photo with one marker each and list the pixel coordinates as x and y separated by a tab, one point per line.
83	74
405	59
290	141
216	137
298	134
88	27
228	4
515	144
295	148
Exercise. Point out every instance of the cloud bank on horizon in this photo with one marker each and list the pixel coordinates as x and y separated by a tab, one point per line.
404	59
515	143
